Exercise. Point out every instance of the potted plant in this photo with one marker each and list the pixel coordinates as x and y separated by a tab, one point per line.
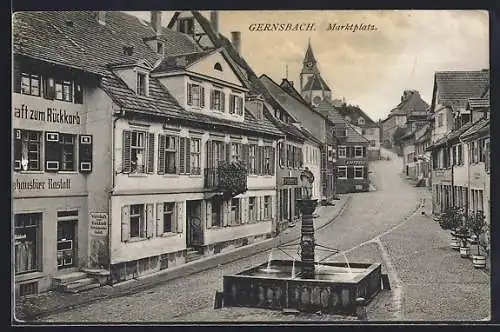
462	234
451	219
477	226
232	178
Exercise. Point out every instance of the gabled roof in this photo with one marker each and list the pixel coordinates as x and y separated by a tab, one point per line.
479	127
288	87
180	61
48	36
352	136
451	136
328	109
285	100
478	102
316	82
205	24
354	113
455	87
411	102
287	128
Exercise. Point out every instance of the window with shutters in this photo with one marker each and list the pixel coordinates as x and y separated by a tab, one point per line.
252	148
138	152
171	154
27	150
358	151
235	105
235	211
195	157
169	217
342	151
137	221
235	151
267	207
217	100
358	172
252	209
30	84
267	160
68	155
195	95
27	237
341	172
64	90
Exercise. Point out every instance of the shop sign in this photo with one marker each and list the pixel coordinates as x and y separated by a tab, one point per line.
355	162
52	115
291	181
35	184
98	223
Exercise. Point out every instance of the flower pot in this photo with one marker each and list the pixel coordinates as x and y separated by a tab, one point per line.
464	252
479	261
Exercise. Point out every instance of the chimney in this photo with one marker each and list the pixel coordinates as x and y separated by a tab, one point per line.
236	41
101	17
214	20
156	21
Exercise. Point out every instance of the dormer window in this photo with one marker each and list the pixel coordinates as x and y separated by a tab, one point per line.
159	47
195	95
235	105
217	100
186	25
361	121
218	67
141	84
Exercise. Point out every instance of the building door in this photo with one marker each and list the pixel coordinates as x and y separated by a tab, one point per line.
194	224
66	243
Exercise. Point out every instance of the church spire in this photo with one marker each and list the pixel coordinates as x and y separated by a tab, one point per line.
309	57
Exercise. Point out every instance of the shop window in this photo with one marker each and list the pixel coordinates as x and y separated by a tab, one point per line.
342	151
358	172
195	156
68	148
27	150
235	211
267	207
235	105
64	90
217	100
27	246
195	95
252	208
137	221
342	172
30	84
141	88
169	221
358	151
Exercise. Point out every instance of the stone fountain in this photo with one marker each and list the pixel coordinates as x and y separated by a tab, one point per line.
306	285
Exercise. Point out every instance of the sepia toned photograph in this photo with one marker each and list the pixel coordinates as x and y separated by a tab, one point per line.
250	166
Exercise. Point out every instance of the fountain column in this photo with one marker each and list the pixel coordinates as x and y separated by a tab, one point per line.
307	242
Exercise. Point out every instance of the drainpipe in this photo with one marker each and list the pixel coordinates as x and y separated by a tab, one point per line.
468	176
117	115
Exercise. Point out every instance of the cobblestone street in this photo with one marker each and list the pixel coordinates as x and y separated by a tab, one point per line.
429	280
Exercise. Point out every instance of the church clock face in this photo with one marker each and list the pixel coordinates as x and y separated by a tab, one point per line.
317	100
309	64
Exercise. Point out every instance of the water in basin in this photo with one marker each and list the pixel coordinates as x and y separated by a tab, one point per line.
322	272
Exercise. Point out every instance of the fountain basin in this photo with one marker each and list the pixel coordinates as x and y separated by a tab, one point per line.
333	290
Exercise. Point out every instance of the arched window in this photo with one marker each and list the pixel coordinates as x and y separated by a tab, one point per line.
218	66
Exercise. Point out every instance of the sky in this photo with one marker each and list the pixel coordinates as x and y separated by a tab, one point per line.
367	68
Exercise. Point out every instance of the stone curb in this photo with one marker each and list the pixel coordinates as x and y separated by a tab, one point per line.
142	283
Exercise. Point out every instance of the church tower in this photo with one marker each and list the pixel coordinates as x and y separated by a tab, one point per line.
312	86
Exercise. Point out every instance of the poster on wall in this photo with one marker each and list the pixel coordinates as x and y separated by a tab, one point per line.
98	233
